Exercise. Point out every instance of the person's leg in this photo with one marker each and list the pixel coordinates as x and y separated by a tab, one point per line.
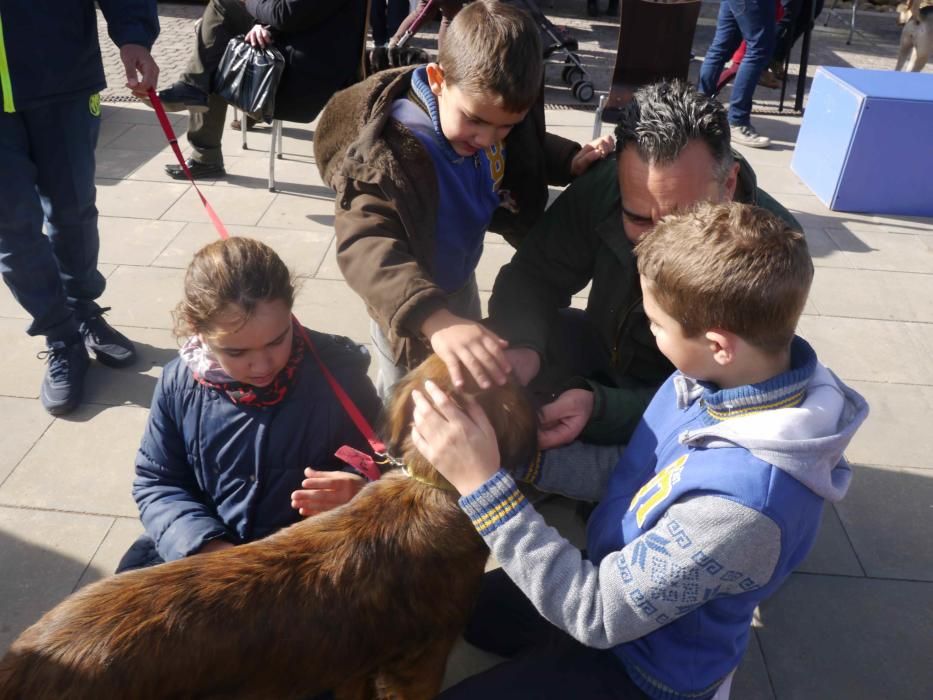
396	13
63	138
387	372
222	20
785	33
555	673
725	42
141	554
378	22
505	622
205	133
755	19
27	263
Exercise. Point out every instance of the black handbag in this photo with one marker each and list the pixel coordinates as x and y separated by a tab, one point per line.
247	78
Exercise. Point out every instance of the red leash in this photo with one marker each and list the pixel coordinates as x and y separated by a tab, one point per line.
358	460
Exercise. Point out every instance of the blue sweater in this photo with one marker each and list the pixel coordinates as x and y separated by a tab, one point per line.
207	468
715	500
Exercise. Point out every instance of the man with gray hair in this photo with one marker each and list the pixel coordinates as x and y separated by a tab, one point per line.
598	368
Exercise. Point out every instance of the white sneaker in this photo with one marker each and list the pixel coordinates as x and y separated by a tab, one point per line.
745	135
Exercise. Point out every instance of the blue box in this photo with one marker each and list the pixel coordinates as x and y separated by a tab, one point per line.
866	141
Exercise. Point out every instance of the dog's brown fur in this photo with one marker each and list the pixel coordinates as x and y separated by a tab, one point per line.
366	599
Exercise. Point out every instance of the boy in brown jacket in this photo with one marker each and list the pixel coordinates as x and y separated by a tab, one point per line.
424	160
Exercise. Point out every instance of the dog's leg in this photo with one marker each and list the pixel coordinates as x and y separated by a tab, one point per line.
904	51
922	41
418	676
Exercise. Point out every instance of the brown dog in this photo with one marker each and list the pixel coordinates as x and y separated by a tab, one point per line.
366	599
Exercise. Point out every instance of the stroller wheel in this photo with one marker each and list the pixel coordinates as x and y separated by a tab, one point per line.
583	90
571	74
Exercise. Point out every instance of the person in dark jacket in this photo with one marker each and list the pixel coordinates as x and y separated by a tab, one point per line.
51	74
424	161
598	369
322	42
243	426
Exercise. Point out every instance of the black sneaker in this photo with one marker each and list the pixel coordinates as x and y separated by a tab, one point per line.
181	96
63	382
199	171
109	345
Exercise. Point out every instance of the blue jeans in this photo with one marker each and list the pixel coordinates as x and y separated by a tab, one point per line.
752	20
47	170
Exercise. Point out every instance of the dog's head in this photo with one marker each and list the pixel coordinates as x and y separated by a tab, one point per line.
905	12
508	408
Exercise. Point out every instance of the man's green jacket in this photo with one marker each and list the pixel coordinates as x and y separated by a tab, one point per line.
578	240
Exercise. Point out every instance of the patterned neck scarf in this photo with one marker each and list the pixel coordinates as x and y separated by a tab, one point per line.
207	371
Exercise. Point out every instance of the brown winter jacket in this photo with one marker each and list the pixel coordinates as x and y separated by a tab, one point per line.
386	204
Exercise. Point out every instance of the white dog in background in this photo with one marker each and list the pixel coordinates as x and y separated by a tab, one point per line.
917	36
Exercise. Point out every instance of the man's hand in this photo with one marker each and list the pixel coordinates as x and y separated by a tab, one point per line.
563	419
525	362
322	491
462	446
259	37
142	72
459	341
595	150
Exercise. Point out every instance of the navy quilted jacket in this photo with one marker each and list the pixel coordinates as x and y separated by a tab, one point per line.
208	469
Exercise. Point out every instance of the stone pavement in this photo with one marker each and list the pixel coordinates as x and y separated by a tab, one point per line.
855	621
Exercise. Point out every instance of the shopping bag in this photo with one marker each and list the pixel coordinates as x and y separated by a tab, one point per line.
247	78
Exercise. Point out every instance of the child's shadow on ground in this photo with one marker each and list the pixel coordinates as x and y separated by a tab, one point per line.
132	386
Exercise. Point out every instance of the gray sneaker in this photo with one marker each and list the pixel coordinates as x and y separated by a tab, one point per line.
63	382
745	135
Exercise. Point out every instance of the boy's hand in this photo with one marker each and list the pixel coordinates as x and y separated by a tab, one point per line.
563	419
525	362
142	72
322	491
595	150
462	446
459	341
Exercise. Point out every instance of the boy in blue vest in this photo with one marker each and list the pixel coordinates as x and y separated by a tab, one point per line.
424	161
714	502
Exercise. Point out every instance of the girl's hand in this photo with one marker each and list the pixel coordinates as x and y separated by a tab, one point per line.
595	150
322	491
259	37
462	446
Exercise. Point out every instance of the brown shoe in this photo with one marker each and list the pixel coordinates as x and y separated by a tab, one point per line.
235	123
768	80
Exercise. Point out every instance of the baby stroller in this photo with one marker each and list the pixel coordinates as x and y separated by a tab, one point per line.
556	39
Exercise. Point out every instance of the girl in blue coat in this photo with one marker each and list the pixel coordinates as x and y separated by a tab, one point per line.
243	426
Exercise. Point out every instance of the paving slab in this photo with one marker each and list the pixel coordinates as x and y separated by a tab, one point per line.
149	294
83	464
118	539
832	552
874	294
869	350
233	206
134	241
22	423
854	638
895	430
886	515
137	200
332	307
303	250
44	554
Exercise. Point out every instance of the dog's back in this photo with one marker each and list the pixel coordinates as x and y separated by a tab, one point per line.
372	593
